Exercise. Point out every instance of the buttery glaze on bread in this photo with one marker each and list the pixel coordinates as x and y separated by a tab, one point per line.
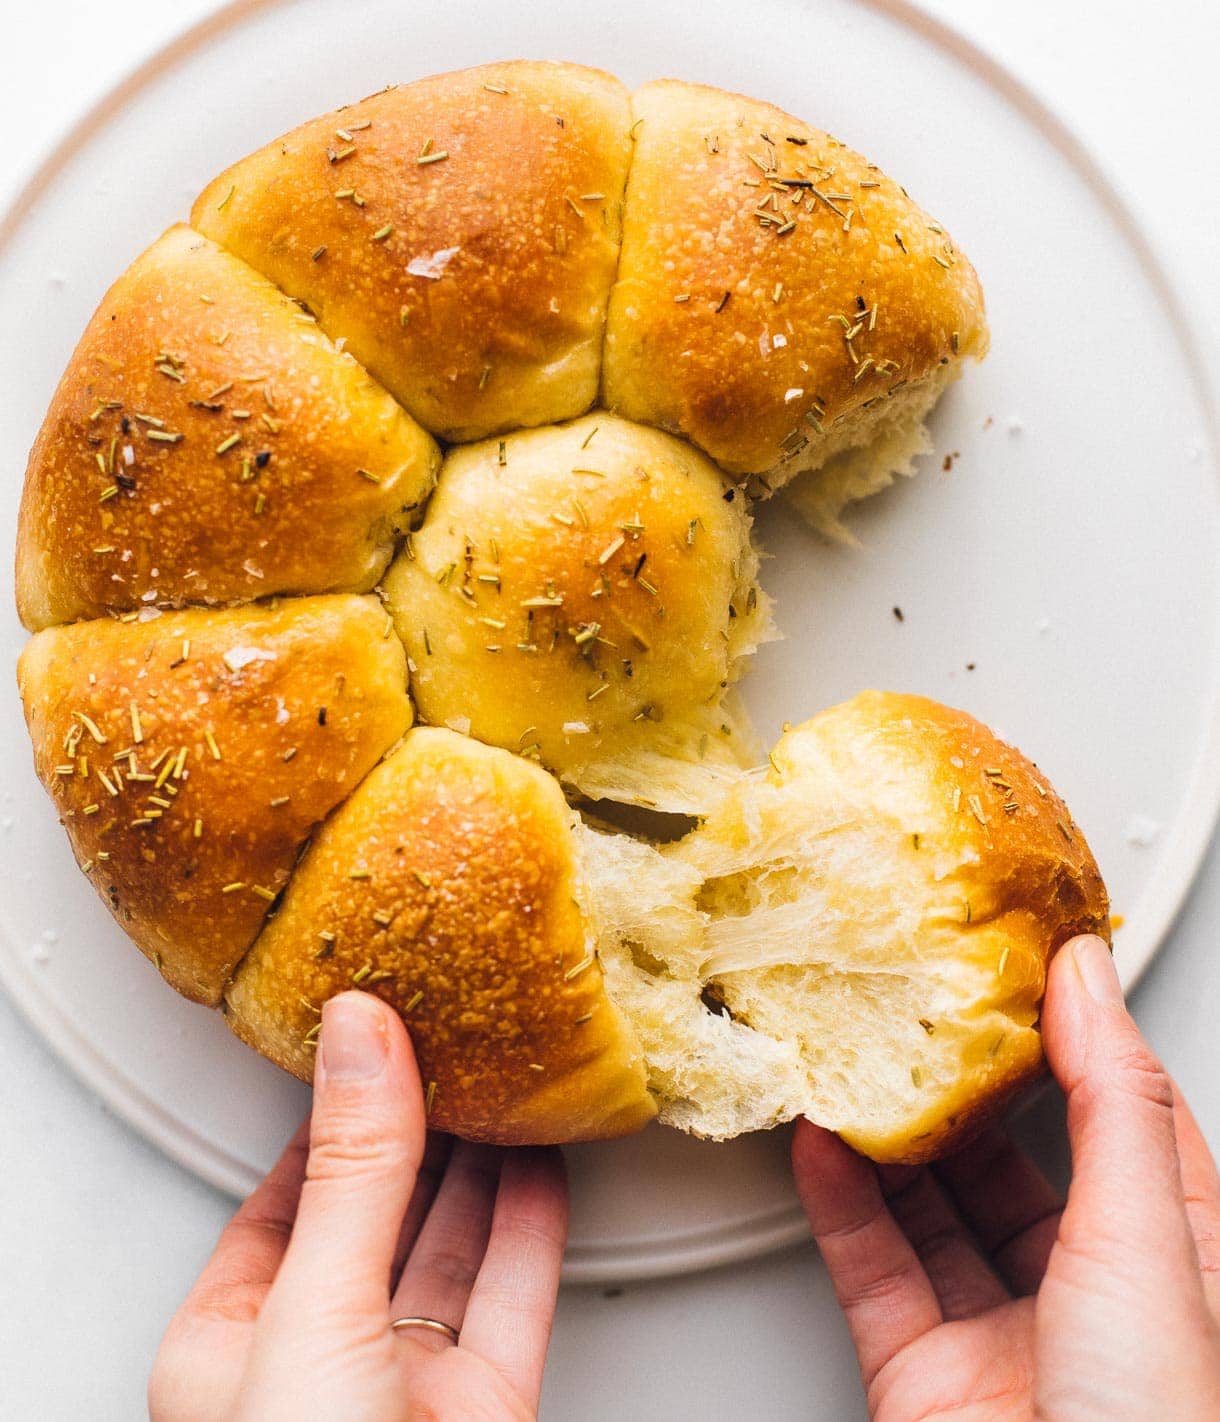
447	885
778	298
190	756
208	444
586	594
461	232
860	933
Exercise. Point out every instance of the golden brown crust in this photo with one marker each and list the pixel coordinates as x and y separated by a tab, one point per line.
208	444
748	261
580	593
189	757
446	885
1007	874
472	285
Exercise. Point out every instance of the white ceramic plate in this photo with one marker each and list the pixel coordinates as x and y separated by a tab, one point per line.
1060	581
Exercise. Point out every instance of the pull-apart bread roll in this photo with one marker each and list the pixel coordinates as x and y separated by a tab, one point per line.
878	913
860	935
208	444
243	443
779	300
449	885
460	232
190	756
586	594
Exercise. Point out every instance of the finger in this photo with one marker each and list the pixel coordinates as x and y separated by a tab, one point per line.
437	1148
214	1322
1009	1204
1201	1188
1125	1218
881	1286
963	1280
366	1142
512	1305
235	1280
440	1271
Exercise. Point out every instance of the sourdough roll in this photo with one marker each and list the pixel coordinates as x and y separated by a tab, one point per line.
586	594
461	233
208	444
447	885
882	906
779	300
191	754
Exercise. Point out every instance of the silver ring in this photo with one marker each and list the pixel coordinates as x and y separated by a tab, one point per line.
433	1325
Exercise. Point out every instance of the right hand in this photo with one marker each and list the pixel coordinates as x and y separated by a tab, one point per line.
974	1293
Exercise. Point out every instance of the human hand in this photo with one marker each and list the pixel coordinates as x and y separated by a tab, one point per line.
359	1224
972	1292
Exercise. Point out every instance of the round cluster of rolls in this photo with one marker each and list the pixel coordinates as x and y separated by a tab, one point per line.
453	405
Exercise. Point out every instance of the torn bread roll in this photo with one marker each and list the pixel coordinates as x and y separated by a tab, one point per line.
859	935
587	594
189	757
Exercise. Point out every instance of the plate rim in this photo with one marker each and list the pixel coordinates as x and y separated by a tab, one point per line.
1184	848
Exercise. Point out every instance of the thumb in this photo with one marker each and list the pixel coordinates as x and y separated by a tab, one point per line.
366	1142
1125	1212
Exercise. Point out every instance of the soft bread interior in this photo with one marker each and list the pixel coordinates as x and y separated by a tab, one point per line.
844	937
862	456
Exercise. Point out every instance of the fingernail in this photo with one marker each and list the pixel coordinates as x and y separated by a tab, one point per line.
1095	964
353	1042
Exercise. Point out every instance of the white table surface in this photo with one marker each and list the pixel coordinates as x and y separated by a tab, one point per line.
100	1235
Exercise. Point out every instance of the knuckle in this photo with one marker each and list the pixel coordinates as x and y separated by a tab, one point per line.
879	1286
355	1147
1139	1074
451	1263
534	1235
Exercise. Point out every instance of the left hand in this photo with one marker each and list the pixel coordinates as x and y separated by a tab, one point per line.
356	1225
